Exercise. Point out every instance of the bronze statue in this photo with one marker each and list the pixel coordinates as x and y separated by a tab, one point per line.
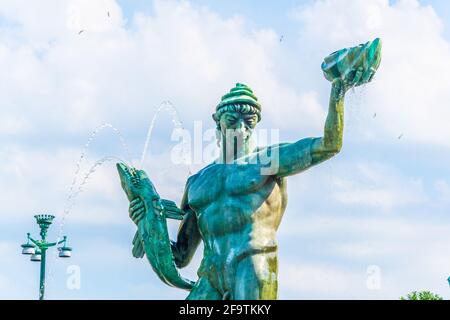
235	204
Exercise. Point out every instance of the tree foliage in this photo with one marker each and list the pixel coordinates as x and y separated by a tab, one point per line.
422	295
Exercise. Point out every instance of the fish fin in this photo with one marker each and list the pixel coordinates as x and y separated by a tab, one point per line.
138	248
171	210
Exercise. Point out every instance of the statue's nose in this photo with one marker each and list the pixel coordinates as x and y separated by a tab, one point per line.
240	126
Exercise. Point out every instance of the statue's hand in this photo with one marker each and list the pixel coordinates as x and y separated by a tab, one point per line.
136	210
341	86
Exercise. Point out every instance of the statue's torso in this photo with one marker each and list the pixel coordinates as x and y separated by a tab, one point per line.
237	208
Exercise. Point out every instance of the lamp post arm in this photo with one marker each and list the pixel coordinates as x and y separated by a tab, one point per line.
52	244
36	242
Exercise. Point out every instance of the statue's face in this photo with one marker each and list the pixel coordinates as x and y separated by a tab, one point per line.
238	126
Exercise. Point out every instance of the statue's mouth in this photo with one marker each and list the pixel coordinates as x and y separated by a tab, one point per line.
122	169
125	172
129	175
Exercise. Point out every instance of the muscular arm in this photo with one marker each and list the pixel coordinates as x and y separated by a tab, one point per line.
301	155
188	237
331	142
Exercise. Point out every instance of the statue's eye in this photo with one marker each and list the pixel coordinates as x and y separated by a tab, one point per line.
231	121
251	121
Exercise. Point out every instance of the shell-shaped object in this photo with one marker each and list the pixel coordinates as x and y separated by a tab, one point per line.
344	63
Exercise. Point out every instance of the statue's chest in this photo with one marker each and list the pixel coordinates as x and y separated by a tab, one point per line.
218	181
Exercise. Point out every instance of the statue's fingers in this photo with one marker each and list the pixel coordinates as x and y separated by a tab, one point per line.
373	71
132	212
131	209
137	215
136	206
140	204
135	201
139	218
368	75
357	78
140	214
339	85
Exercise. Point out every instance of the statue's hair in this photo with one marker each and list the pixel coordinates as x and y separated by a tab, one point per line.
237	107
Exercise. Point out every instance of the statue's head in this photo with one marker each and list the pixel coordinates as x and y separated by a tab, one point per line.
237	115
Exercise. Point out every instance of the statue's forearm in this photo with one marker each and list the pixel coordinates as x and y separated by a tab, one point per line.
179	254
301	155
334	124
188	239
331	142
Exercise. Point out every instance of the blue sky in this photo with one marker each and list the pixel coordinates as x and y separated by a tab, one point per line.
381	204
268	13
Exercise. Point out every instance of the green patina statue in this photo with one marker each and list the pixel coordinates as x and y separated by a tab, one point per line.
235	204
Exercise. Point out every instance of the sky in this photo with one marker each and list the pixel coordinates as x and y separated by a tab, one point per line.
371	223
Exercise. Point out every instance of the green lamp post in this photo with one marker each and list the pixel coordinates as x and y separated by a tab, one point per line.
37	248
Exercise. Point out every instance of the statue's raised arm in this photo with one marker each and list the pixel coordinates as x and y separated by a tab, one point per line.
345	69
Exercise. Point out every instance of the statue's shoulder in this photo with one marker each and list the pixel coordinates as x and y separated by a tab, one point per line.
196	175
262	152
302	143
271	147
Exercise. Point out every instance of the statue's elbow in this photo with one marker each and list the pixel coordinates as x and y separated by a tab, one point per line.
334	149
338	148
337	145
178	257
181	261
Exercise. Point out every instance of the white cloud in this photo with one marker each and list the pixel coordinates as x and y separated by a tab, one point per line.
372	184
443	189
57	83
410	92
186	54
304	280
13	124
411	255
15	266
